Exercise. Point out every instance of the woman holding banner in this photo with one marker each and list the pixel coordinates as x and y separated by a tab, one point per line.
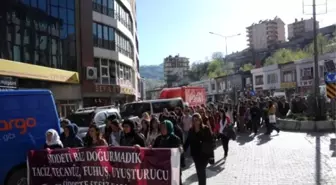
95	137
201	146
130	137
168	139
53	140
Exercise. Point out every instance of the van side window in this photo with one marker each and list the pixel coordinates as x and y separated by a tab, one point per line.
170	105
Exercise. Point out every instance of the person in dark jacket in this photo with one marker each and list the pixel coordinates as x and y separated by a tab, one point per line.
201	146
168	139
256	114
283	107
53	140
130	137
64	123
70	139
178	132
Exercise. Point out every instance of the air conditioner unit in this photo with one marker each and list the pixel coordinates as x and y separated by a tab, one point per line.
91	73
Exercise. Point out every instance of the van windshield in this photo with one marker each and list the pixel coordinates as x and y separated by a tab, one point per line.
82	120
134	109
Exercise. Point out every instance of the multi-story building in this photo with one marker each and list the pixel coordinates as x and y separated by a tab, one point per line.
288	77
176	70
142	87
58	42
298	28
266	34
266	79
233	86
153	94
305	72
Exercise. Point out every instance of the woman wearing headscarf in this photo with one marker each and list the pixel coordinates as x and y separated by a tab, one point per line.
201	146
129	136
53	140
70	139
168	139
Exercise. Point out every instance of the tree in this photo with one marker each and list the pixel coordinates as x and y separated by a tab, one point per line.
198	70
217	56
214	69
322	44
247	67
283	56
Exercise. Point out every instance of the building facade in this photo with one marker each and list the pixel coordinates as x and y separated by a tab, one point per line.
266	34
305	73
85	52
176	70
298	28
266	79
233	86
288	78
153	94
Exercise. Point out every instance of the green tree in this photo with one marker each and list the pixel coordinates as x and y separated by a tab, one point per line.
283	56
215	69
322	44
247	67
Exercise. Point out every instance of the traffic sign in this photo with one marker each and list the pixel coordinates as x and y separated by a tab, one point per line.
330	78
331	90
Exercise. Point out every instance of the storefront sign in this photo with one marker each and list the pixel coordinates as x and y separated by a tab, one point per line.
126	90
108	89
8	82
287	85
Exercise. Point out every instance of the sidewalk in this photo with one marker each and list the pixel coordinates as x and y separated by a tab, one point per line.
284	159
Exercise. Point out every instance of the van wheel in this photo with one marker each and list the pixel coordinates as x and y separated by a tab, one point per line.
19	177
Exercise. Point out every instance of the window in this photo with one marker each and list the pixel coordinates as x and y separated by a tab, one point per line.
170	105
103	36
124	45
288	76
104	71
259	80
113	78
307	73
213	87
272	78
113	9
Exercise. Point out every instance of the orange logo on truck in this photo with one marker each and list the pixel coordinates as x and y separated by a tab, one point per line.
22	124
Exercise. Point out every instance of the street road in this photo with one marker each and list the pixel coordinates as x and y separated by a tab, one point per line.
284	159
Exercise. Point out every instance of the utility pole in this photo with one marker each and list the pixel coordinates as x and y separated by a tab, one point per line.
318	107
316	66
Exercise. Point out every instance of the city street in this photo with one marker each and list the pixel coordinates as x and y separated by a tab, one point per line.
284	159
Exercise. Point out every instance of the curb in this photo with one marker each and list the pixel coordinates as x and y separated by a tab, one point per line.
306	126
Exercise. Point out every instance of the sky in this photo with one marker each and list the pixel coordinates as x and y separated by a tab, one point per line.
171	27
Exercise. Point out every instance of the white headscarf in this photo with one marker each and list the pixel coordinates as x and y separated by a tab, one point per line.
55	139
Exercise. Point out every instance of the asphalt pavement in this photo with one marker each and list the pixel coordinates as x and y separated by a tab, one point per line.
280	159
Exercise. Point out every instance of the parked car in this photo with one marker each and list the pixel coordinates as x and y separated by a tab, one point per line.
83	117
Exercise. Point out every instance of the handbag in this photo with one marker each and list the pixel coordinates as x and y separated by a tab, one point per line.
229	132
272	118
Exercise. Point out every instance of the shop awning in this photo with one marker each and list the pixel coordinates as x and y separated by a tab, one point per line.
24	70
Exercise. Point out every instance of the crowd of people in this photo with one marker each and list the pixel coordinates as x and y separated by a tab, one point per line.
192	129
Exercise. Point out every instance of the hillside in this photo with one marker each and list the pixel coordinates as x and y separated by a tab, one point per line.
154	72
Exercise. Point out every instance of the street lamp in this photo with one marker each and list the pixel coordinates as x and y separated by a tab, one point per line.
225	37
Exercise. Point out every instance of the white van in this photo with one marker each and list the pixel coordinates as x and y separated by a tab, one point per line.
151	106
